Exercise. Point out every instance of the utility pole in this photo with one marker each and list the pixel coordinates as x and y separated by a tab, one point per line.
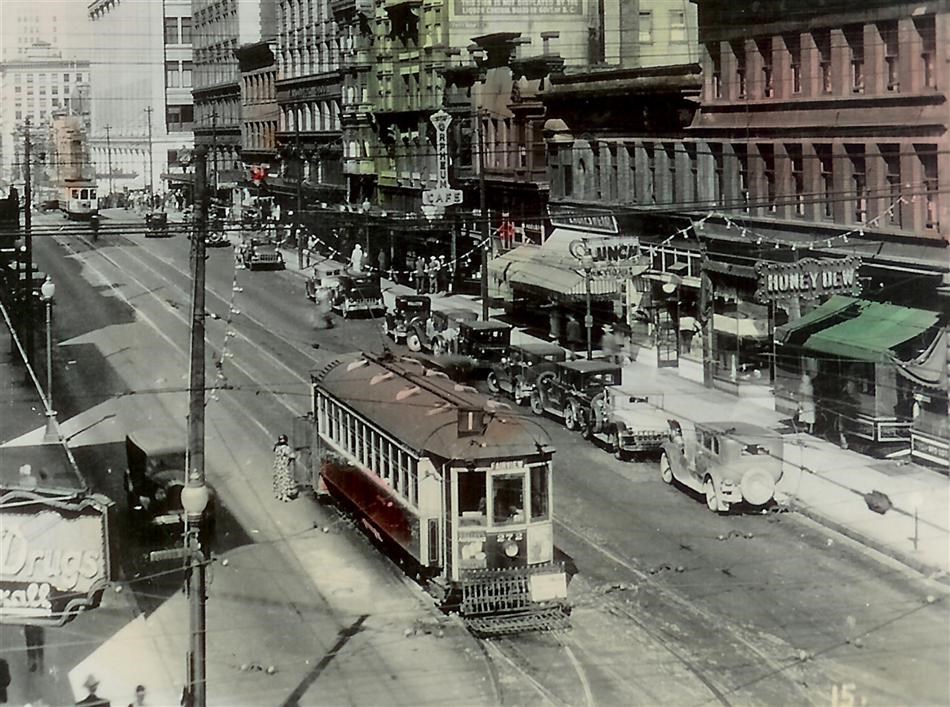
27	296
108	129
483	212
148	112
300	195
214	153
195	495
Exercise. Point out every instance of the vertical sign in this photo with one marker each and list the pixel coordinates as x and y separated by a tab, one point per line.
442	195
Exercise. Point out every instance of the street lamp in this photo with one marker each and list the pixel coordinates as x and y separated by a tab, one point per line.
587	265
47	291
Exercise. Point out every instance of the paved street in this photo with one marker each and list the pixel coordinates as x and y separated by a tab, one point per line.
673	604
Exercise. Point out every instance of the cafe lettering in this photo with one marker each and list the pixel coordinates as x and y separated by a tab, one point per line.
807	279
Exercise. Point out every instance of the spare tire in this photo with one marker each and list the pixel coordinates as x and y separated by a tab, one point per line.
757	487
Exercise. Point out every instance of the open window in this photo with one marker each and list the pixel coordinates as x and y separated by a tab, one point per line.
508	499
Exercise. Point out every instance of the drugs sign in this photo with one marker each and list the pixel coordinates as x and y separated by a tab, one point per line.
54	560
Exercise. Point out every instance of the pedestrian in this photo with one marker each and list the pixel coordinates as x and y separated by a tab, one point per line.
442	275
382	261
432	271
575	335
311	247
323	299
420	275
139	699
4	680
92	684
285	489
806	403
609	344
356	258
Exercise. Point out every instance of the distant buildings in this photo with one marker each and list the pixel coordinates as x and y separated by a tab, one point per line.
142	70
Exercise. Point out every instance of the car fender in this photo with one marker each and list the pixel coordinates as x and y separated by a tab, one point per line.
676	454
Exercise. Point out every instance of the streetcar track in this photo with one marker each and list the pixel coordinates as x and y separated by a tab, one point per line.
688	608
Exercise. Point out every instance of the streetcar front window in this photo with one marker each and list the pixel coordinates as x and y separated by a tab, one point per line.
84	194
540	491
472	503
508	499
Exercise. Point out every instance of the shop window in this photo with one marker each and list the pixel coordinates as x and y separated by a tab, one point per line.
888	32
793	44
823	43
926	28
764	47
890	153
854	36
738	50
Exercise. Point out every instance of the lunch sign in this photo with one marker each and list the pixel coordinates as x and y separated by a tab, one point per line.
54	557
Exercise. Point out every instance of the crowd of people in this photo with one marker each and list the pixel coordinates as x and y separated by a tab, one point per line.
433	276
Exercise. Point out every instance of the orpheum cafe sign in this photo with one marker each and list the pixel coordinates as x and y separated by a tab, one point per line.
54	557
807	279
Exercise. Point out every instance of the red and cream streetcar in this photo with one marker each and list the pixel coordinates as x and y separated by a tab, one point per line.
456	483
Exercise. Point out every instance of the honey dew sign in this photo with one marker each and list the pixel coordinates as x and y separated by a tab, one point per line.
54	560
807	279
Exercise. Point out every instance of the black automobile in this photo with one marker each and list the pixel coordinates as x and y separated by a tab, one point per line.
408	313
358	293
515	374
156	224
154	480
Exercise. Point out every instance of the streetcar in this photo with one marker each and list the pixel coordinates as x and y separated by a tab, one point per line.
78	200
456	485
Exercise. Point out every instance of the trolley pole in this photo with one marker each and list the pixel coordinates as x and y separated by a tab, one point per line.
195	495
27	296
300	195
483	212
151	186
108	129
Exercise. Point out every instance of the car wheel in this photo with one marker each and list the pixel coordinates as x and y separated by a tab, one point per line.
492	382
537	406
712	495
439	347
666	469
414	342
571	417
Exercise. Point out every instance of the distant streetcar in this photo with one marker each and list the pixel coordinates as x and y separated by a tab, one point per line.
78	199
458	485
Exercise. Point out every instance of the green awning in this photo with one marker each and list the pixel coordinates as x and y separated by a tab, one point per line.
873	333
834	305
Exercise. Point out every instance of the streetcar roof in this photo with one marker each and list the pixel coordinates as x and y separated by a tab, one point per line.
422	410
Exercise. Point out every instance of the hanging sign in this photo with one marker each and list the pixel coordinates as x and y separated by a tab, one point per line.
808	279
442	195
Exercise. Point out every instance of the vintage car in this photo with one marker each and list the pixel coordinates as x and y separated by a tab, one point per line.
568	391
626	424
408	312
217	237
516	372
261	253
728	462
357	292
442	325
156	224
154	479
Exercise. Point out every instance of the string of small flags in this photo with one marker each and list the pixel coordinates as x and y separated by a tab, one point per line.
229	333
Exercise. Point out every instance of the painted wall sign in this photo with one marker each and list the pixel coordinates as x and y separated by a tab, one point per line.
582	220
54	562
518	7
807	279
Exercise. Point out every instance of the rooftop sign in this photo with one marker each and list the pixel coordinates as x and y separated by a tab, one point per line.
587	220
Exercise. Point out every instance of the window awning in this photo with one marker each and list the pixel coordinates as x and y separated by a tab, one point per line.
930	368
871	331
553	274
814	319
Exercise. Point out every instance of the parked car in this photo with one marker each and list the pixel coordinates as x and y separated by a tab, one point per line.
358	293
408	313
728	462
568	391
627	424
154	479
442	325
517	370
325	274
217	238
156	224
261	253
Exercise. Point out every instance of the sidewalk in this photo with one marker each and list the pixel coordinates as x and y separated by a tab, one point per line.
820	481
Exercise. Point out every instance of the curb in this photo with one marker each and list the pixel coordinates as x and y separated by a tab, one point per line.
928	571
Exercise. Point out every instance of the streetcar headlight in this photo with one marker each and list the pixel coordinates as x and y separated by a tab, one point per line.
511	548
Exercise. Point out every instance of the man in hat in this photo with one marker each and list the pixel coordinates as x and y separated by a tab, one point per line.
92	684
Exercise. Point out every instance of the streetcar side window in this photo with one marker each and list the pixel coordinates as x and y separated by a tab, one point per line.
413	482
398	478
74	193
385	449
84	194
540	491
508	499
472	489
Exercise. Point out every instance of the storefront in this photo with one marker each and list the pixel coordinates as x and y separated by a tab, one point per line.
930	416
846	351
